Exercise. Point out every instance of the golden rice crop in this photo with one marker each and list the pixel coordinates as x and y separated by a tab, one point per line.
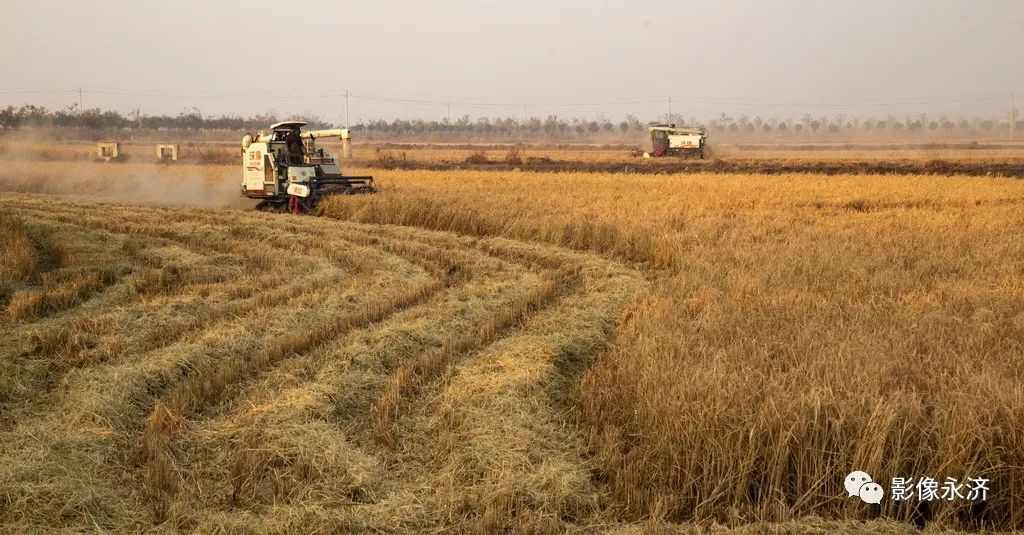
801	327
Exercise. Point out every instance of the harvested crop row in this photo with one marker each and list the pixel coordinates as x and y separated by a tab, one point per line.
218	312
281	483
107	407
204	387
19	258
80	273
278	424
527	471
156	319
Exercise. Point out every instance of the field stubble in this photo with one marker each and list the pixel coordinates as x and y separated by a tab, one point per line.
245	371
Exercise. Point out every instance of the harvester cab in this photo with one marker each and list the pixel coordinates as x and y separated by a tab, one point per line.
286	171
669	140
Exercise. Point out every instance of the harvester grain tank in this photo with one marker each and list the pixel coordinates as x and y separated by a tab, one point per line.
285	170
669	140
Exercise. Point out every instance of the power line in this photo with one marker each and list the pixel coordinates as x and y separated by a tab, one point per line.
35	91
841	105
500	104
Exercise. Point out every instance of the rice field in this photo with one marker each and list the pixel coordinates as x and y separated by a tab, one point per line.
492	351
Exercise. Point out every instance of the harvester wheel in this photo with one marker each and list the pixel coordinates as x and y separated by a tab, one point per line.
271	206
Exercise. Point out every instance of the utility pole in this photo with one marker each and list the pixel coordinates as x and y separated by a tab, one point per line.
348	122
448	116
80	101
526	114
669	121
1013	116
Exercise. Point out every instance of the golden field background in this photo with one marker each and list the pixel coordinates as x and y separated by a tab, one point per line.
529	351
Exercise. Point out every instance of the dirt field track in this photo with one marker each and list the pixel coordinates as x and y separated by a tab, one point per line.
210	370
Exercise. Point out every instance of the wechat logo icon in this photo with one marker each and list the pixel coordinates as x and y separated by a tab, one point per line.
858	483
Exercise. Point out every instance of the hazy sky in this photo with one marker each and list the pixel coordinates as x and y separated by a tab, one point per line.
583	58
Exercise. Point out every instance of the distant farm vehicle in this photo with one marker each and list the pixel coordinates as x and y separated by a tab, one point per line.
167	152
109	152
669	140
287	172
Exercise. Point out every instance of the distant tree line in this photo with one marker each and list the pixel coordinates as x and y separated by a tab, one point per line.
840	123
96	119
554	126
550	127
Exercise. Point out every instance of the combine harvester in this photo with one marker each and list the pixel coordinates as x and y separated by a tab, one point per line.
286	172
668	140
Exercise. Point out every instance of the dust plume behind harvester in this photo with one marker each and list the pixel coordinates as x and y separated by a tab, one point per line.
286	171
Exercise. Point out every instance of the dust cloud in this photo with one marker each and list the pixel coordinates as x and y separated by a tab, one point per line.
191	185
